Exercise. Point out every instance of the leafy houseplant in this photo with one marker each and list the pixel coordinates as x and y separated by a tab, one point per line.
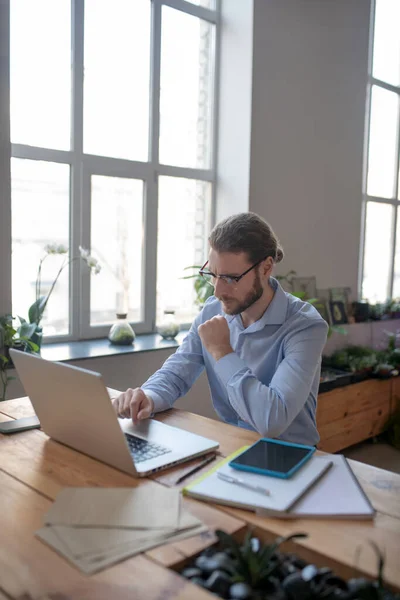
27	336
9	338
362	360
202	288
31	329
253	571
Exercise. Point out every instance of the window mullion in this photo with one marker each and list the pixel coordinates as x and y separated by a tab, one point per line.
5	176
397	194
195	10
151	189
78	202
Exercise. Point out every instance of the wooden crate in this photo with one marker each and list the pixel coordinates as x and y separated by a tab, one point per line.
353	413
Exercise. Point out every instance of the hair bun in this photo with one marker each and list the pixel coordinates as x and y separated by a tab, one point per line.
279	254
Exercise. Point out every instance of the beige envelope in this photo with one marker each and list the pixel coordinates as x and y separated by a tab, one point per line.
146	506
85	541
100	562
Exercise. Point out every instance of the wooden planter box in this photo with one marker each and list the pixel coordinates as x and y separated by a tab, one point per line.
356	412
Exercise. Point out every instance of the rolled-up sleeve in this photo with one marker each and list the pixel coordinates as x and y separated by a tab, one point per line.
270	409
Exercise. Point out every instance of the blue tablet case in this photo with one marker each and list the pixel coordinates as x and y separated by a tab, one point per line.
261	471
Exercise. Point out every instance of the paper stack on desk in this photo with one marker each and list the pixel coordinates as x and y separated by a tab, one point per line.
96	527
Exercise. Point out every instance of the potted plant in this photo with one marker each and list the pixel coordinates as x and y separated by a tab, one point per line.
202	288
10	338
256	571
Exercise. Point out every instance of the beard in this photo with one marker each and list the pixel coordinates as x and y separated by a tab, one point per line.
238	307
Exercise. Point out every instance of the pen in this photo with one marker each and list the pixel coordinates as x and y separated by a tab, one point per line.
196	468
245	484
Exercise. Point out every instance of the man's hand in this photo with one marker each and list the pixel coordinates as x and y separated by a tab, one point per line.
134	404
215	336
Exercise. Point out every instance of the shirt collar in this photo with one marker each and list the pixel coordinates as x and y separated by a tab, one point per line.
277	310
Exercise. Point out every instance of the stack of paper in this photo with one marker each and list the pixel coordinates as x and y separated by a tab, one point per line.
282	493
337	495
96	527
324	487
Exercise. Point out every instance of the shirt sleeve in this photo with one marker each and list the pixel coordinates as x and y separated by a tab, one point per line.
178	373
270	409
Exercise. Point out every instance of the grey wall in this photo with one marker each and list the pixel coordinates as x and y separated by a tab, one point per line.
309	89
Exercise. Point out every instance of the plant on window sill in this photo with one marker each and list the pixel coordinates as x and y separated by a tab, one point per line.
31	329
27	336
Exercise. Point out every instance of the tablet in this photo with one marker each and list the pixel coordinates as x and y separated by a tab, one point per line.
273	457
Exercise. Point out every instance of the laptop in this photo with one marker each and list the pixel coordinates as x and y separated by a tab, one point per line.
74	408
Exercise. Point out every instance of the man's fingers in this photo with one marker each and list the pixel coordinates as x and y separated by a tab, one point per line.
114	402
134	409
144	413
133	404
122	404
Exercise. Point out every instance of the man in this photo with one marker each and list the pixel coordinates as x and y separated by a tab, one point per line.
261	347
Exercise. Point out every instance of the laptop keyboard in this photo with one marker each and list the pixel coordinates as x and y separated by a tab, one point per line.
143	450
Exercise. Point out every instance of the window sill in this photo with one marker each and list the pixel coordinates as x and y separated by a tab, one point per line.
65	351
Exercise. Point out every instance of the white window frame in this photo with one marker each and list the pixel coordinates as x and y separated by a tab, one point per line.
85	165
395	201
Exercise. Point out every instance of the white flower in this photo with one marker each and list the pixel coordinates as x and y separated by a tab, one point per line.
84	253
91	262
51	249
62	249
56	249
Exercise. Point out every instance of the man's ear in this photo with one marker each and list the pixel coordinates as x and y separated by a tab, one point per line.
267	265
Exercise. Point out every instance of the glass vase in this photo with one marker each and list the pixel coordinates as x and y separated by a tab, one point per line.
121	333
168	328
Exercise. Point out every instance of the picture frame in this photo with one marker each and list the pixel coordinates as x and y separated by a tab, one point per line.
322	307
307	286
324	295
340	294
337	312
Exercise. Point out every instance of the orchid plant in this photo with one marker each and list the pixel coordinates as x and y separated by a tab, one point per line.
37	309
28	335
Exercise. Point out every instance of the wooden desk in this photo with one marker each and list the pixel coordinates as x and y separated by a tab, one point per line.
34	468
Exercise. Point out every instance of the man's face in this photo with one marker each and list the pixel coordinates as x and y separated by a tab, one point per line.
235	297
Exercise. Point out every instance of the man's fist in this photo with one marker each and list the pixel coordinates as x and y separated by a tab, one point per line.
133	404
215	336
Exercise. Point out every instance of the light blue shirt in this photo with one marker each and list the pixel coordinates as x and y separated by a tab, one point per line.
269	383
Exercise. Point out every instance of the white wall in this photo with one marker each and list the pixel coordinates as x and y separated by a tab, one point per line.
234	111
309	88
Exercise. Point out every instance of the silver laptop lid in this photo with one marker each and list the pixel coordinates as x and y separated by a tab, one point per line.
74	408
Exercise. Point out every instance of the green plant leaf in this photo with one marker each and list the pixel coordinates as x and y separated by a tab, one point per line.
229	542
26	330
4	360
36	310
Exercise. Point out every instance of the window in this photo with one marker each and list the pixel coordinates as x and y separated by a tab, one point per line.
112	133
381	264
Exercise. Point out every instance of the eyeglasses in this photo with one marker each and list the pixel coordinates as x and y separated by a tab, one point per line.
229	279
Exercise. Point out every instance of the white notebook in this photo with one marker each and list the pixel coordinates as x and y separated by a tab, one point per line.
283	492
337	495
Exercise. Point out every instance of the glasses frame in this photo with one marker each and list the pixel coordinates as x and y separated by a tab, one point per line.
229	279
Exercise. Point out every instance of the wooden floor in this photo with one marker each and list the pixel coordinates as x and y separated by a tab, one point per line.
378	454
